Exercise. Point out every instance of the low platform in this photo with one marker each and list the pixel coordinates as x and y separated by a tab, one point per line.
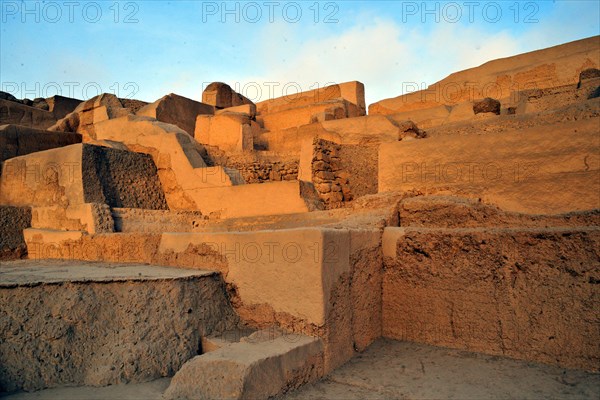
35	272
89	323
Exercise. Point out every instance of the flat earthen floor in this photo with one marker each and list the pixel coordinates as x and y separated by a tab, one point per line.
399	370
33	272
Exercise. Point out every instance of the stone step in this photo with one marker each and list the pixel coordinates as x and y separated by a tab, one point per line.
260	366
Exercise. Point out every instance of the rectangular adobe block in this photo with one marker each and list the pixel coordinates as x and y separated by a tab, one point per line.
353	92
293	271
177	110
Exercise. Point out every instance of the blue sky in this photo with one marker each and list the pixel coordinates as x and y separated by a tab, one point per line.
146	49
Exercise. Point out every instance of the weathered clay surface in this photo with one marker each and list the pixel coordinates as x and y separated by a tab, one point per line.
360	163
20	114
457	212
80	331
177	110
58	105
554	66
525	293
82	173
258	367
90	217
121	178
17	140
352	92
560	168
86	114
392	369
480	235
155	221
221	95
12	222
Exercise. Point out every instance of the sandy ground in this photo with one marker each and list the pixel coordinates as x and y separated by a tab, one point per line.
140	391
398	370
29	272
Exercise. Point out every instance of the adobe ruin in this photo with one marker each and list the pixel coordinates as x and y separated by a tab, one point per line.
221	241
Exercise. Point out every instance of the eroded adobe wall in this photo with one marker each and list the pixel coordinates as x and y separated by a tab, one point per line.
360	163
355	317
155	221
532	170
121	179
352	92
18	140
102	333
19	114
12	222
526	293
550	67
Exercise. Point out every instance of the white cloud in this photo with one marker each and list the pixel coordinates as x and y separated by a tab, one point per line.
379	51
381	54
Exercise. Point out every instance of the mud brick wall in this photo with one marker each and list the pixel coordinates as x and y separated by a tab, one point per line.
19	114
102	333
121	178
361	163
529	294
12	222
266	171
133	105
18	140
330	179
156	221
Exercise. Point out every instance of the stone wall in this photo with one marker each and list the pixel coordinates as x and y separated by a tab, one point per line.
331	181
254	167
12	222
265	171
